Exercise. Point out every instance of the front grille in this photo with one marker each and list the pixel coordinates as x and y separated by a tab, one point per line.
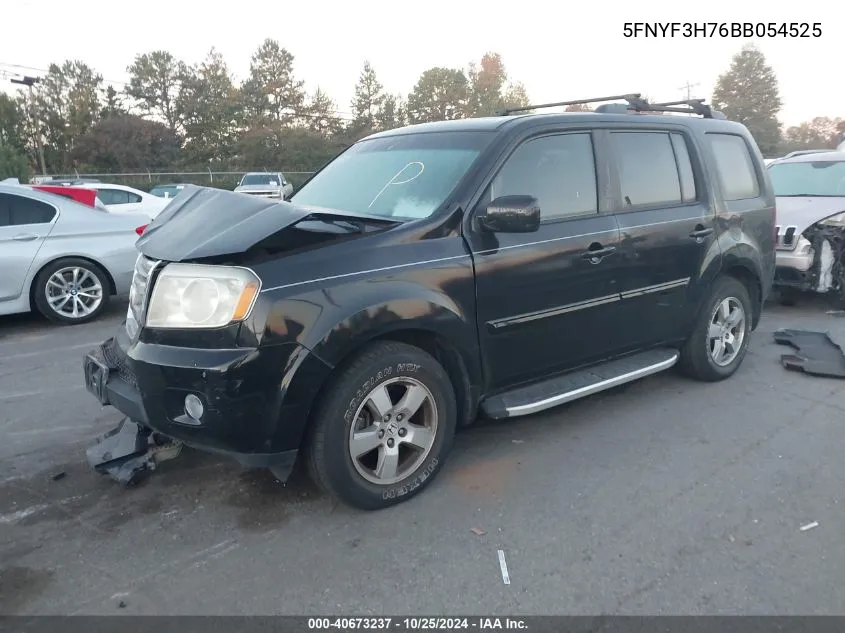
262	194
786	239
139	294
116	358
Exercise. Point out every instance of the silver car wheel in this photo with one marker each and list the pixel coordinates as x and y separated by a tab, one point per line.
727	331
74	292
393	431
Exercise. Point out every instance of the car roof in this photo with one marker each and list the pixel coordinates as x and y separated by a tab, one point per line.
516	121
821	157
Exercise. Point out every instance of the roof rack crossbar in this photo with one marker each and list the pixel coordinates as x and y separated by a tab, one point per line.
631	97
696	106
635	103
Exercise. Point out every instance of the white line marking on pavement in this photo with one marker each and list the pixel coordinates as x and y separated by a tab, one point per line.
504	566
14	517
50	350
40	392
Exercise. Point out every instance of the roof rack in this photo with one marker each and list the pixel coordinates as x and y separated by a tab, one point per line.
635	103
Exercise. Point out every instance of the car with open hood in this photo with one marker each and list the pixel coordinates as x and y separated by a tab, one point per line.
810	190
498	266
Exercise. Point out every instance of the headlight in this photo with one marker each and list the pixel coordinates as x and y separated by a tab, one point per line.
200	296
836	220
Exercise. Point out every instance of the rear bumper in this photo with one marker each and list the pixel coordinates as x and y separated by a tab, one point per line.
244	417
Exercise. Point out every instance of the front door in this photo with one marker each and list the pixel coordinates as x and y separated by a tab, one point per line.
545	300
669	253
24	225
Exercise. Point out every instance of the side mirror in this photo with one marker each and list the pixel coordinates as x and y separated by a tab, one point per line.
511	214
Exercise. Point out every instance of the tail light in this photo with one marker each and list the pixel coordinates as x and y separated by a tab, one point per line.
140	229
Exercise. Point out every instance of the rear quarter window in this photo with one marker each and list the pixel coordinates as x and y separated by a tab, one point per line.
734	166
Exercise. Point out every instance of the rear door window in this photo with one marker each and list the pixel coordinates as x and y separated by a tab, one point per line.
648	171
19	211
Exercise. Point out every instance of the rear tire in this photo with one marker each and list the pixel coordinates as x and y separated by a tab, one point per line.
364	448
719	341
71	291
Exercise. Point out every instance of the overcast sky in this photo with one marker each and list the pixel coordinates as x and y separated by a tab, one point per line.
557	53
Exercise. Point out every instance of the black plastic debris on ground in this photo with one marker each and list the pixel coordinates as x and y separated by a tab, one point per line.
815	353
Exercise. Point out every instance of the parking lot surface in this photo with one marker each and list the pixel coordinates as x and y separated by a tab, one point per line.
663	497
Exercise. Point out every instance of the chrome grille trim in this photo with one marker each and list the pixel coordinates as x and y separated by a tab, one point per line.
787	238
139	294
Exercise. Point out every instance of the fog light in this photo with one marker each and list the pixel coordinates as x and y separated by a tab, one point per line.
193	407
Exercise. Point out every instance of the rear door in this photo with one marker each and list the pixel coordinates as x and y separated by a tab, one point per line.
669	250
546	300
24	225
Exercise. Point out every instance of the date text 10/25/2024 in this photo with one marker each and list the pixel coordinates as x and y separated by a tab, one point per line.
723	29
416	624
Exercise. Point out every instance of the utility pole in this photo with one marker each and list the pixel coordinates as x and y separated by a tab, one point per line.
688	87
33	113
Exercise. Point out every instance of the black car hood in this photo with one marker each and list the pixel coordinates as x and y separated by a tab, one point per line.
202	222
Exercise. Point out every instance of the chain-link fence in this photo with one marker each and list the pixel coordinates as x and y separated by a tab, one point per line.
145	180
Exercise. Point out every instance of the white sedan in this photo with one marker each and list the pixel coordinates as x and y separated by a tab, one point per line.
120	198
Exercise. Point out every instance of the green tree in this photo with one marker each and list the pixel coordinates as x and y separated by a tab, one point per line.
748	93
13	163
322	114
368	101
818	133
68	105
516	96
112	103
489	89
155	81
12	123
208	107
439	95
272	92
392	114
126	142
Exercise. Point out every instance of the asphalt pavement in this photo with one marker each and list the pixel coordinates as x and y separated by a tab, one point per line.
663	497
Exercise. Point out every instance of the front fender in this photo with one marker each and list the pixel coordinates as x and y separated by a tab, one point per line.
330	330
396	306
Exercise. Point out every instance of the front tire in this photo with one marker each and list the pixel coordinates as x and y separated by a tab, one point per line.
384	427
71	291
719	340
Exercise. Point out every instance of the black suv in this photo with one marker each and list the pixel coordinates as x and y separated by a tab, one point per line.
505	264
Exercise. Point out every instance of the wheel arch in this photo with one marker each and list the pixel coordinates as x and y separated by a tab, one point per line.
744	273
53	260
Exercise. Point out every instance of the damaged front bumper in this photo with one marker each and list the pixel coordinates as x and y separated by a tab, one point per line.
815	263
242	418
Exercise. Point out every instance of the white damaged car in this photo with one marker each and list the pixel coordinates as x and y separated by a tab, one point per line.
810	190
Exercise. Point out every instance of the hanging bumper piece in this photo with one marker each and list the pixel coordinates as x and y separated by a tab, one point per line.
130	451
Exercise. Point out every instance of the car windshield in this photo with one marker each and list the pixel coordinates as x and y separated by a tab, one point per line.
817	178
271	180
400	177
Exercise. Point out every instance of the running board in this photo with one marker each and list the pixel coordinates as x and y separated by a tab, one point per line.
578	384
